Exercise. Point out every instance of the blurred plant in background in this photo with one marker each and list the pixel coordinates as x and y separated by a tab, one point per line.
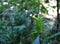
21	21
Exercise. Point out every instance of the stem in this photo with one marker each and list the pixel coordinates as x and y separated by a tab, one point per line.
57	14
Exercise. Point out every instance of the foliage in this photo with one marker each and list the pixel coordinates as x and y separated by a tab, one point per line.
39	26
16	24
